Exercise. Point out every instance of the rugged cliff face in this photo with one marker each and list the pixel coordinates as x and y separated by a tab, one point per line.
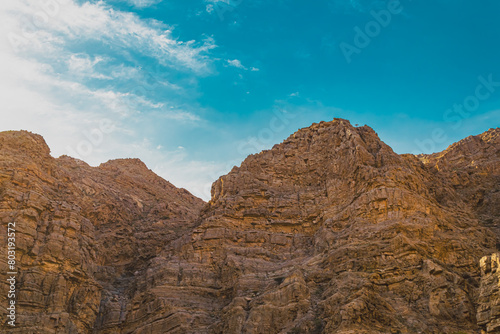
327	232
83	233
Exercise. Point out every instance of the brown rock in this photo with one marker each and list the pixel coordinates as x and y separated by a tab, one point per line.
327	232
81	233
488	311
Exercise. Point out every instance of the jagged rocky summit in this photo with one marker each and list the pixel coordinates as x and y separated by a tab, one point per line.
327	232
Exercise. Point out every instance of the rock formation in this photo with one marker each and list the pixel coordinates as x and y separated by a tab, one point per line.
488	313
82	232
327	232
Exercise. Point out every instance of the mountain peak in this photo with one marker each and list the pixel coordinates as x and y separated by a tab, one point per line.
24	141
312	155
473	149
329	231
127	163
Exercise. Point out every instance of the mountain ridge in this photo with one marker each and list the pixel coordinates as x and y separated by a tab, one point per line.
329	231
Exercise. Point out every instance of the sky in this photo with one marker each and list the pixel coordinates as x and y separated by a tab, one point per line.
192	87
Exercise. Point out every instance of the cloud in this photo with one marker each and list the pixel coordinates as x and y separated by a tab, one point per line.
83	65
228	2
221	6
196	176
235	63
73	23
96	82
143	3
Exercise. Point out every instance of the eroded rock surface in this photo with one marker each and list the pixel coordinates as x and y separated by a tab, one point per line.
488	312
327	232
83	233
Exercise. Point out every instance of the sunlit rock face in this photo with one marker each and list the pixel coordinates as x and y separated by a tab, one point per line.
327	232
488	312
82	233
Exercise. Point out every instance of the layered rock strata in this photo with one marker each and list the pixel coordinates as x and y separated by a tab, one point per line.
82	233
327	232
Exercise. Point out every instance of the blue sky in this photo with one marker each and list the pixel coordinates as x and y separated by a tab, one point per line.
191	87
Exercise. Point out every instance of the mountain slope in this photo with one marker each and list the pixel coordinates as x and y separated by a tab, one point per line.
82	232
327	232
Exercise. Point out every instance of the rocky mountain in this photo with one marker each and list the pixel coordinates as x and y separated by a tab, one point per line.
328	232
82	233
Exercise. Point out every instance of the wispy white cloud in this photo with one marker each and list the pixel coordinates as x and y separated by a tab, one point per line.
143	3
83	65
221	6
228	2
235	63
72	22
125	72
69	69
194	175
